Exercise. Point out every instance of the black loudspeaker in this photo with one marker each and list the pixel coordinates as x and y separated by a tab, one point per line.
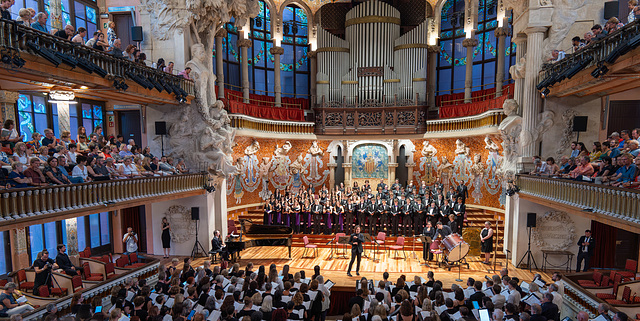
580	123
136	33
610	9
195	213
531	219
161	128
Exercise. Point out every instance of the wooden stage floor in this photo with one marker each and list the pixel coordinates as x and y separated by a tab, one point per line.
335	268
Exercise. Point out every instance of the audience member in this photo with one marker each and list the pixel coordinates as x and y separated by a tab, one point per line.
100	44
5	5
185	73
41	22
66	33
111	33
116	49
79	37
24	17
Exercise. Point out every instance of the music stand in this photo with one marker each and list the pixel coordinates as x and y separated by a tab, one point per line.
367	238
344	240
424	240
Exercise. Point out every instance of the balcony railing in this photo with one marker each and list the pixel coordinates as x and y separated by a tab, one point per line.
39	201
387	120
596	51
491	118
16	37
607	200
245	122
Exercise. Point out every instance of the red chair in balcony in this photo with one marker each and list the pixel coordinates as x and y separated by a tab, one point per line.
122	261
3	282
630	268
43	291
307	245
399	246
626	297
611	296
76	282
91	276
23	284
110	270
596	280
133	261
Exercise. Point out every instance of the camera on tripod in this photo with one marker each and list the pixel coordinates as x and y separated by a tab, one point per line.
48	265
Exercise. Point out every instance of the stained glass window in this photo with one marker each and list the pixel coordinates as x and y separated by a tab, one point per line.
32	114
452	59
5	253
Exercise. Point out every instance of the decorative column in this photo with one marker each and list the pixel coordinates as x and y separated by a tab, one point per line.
501	35
55	14
20	255
332	174
244	45
312	76
531	98
347	174
63	99
71	225
409	167
392	172
220	35
8	101
469	43
432	63
518	70
277	87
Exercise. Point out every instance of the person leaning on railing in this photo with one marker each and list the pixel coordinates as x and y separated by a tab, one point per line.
53	173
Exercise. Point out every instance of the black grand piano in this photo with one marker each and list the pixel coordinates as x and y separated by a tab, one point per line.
259	235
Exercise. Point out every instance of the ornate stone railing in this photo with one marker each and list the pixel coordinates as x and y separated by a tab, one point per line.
39	201
102	290
491	118
596	51
245	122
387	120
611	201
577	299
18	37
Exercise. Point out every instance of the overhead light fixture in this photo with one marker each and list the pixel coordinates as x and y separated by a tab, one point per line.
258	21
120	84
155	84
66	59
18	61
44	53
601	70
6	57
85	65
285	28
70	102
579	66
138	80
84	87
294	28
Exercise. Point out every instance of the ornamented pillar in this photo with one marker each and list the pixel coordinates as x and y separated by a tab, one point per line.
55	16
501	34
433	52
469	43
347	174
313	65
244	45
392	172
518	70
71	225
277	87
220	35
531	98
18	239
409	167
332	174
8	101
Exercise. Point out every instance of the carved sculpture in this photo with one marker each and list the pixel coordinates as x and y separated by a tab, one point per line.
544	121
510	129
490	145
263	171
181	223
315	150
565	14
444	170
212	130
297	166
282	151
519	70
567	131
428	150
461	148
477	169
252	149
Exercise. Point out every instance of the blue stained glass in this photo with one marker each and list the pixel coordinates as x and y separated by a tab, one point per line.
3	254
40	108
301	41
82	234
446	34
26	125
460	32
94	226
91	14
287	39
24	103
105	230
36	241
97	123
97	112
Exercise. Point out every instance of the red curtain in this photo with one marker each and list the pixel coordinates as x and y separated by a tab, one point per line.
604	252
268	112
471	109
340	302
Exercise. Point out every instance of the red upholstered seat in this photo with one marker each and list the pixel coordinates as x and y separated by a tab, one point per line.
630	269
76	282
133	259
3	282
611	296
596	281
43	291
110	271
22	281
307	245
91	276
59	291
122	262
399	246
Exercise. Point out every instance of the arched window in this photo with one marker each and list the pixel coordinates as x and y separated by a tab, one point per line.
452	59
294	63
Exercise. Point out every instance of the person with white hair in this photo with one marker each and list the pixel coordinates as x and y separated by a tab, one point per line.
327	294
498	315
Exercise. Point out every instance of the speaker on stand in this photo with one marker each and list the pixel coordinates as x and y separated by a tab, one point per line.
531	223
580	125
161	129
197	246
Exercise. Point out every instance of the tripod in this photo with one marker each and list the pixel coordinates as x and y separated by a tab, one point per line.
528	254
197	246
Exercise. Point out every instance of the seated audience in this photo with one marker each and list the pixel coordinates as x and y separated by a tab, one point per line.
35	174
79	37
128	169
66	33
53	173
16	178
80	170
41	22
584	168
24	17
100	44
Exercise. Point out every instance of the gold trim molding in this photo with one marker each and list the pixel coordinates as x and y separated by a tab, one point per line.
349	82
332	49
386	81
372	19
322	82
411	46
419	79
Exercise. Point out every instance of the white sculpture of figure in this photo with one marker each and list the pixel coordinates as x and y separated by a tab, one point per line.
252	149
461	148
203	77
519	70
490	145
444	171
296	169
428	150
265	193
477	175
316	158
510	129
238	192
282	151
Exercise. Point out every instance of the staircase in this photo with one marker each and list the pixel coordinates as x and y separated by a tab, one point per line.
475	222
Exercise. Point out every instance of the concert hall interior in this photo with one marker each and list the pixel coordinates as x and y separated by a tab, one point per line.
388	160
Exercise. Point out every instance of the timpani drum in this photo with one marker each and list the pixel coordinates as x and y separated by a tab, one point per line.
455	247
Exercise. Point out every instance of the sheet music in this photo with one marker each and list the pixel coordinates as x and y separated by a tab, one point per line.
539	282
476	313
307	305
214	316
286	298
425	314
600	318
312	295
488	292
329	284
468	292
238	306
22	299
531	299
450	295
274	286
130	296
255	307
413	294
169	303
297	285
525	286
423	280
199	308
225	282
355	319
456	316
153	296
367	304
306	281
441	309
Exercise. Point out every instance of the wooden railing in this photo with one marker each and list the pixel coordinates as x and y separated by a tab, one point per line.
28	202
17	37
387	120
270	126
611	201
491	118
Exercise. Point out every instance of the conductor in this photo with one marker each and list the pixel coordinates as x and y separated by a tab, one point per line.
356	241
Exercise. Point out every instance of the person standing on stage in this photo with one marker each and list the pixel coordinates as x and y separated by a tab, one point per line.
166	237
350	214
316	210
371	216
463	192
586	245
362	212
486	242
383	210
396	211
429	231
418	216
433	213
407	217
453	225
356	241
459	209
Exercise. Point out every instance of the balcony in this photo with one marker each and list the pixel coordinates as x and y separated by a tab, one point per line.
620	207
40	74
621	70
22	207
289	129
489	120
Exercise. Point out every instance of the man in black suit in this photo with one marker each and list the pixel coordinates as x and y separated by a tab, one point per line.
418	216
536	313
458	209
586	244
317	211
63	261
549	309
356	241
476	296
381	185
396	211
351	209
383	211
463	192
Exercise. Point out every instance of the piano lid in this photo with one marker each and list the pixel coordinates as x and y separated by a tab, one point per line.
250	229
